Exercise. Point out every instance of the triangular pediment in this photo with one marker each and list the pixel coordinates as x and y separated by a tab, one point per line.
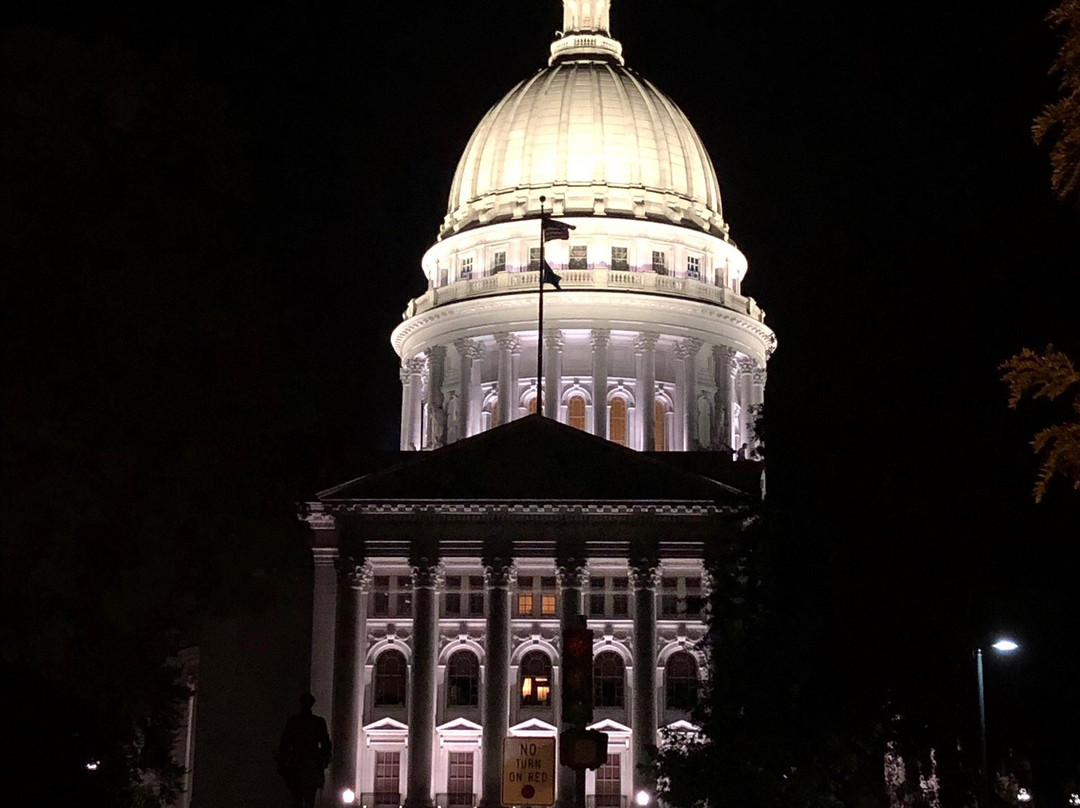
683	726
386	725
459	725
534	726
610	727
535	459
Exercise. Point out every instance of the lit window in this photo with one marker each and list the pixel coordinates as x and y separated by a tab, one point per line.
459	780
525	604
617	421
466	268
463	680
498	263
576	412
579	258
390	679
619	259
387	779
693	266
659	263
547	605
535	680
609	784
531	406
659	426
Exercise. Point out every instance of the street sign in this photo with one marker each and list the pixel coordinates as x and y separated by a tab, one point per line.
528	771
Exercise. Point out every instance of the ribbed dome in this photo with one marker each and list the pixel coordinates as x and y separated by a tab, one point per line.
594	138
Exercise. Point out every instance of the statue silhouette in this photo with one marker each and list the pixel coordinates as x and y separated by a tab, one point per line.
304	754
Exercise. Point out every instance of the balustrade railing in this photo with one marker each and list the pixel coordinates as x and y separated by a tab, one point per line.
380	799
598	279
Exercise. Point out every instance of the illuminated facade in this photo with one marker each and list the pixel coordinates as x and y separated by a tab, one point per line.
651	343
443	578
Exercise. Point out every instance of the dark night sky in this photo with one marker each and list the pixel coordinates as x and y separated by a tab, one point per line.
877	170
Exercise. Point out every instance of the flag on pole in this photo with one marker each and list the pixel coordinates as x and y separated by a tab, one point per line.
551	277
557	231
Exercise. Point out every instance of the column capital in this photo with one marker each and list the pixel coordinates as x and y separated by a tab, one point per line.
688	348
469	349
644	573
356	573
759	375
600	337
416	365
426	573
499	572
553	338
723	352
508	341
436	352
572	572
646	341
746	365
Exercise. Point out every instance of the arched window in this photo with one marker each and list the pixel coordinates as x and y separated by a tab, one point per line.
617	421
681	682
575	412
531	407
535	680
463	680
609	680
391	679
659	425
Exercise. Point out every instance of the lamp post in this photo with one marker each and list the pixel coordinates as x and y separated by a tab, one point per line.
1004	646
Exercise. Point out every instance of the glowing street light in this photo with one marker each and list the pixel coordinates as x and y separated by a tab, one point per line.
1004	645
348	796
1074	799
642	798
1023	796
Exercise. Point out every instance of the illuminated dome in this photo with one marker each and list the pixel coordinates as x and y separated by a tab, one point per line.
593	137
650	341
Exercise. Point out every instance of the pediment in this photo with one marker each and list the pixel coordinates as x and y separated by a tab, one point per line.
459	725
611	727
386	725
534	726
683	726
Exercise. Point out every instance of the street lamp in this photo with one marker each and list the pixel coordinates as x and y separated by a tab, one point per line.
1005	646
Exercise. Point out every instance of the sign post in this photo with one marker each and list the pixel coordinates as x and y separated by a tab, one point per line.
528	771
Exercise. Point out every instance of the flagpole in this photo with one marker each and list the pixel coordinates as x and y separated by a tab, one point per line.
540	326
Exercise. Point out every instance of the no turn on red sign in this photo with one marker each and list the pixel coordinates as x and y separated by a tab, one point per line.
528	771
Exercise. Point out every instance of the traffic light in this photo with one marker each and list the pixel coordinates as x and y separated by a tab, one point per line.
577	676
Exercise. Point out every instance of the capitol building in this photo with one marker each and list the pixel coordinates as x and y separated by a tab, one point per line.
443	577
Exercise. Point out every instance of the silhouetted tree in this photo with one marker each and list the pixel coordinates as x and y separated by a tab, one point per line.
1059	122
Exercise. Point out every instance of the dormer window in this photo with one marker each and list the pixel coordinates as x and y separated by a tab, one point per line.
498	263
579	258
466	269
620	261
693	267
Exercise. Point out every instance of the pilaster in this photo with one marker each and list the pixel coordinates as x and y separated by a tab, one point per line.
600	339
350	646
645	349
553	345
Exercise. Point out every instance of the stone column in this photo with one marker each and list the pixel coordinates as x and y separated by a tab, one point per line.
498	578
553	344
721	427
688	351
745	377
572	574
412	380
506	361
644	573
600	339
350	648
422	682
436	366
515	377
323	628
645	349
